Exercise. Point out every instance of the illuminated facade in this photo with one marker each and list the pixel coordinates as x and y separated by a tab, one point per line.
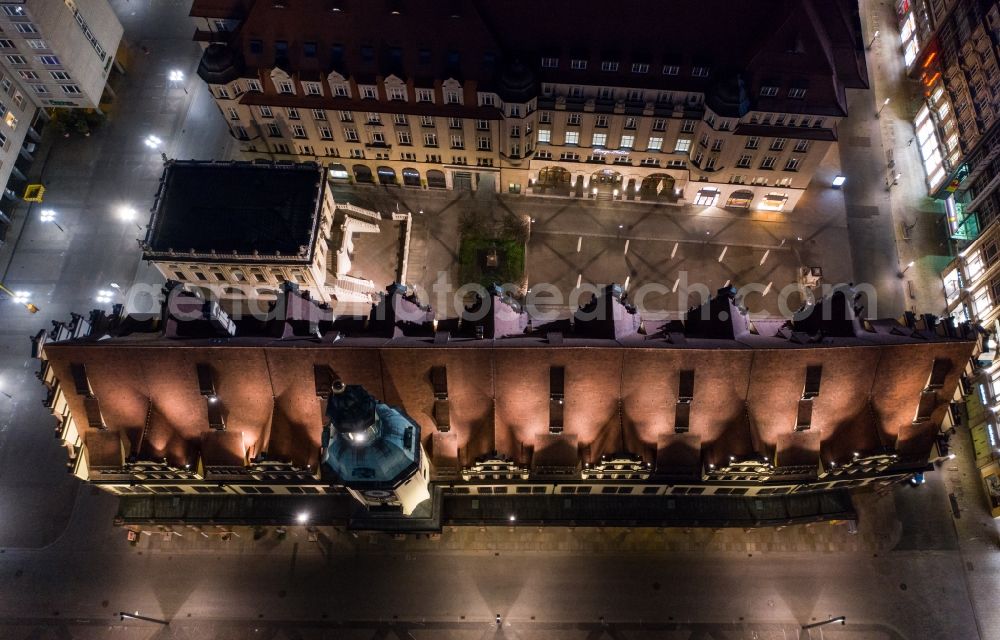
601	402
950	46
369	90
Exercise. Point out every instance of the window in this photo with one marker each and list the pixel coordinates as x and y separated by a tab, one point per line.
233	114
753	142
293	113
31	75
223	93
345	116
606	93
399	119
487	99
7	44
25	27
515	131
683	145
631	123
717	144
39	88
609	66
703	141
601	121
457	142
659	124
710	164
312	89
454	123
17	60
627	142
634	95
368	93
350	134
273	130
578	65
397	93
544	135
430	140
404	137
767	162
778	144
482	125
376	137
325	133
687	126
550	63
13	10
599	139
576	92
265	111
483	143
572	137
451	97
318	114
426	121
285	87
573	118
796	93
254	85
340	90
671	70
759	181
544	117
374	118
37	44
793	164
655	144
298	131
768	91
699	72
801	146
744	161
256	46
425	95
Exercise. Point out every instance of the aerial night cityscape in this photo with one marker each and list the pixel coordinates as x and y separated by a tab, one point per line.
457	320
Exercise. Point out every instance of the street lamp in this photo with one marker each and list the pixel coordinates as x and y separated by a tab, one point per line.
176	75
9	397
840	619
879	112
872	41
48	215
153	142
905	269
104	296
128	214
839	181
20	297
302	517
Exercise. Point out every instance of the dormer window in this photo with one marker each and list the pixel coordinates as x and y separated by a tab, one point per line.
796	93
699	72
341	91
578	65
425	95
550	63
640	67
368	92
397	93
286	87
768	91
452	97
609	66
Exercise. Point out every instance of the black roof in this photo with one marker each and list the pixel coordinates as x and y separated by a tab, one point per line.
237	207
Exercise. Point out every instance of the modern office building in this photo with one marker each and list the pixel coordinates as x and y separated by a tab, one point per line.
464	94
396	405
951	47
62	51
52	54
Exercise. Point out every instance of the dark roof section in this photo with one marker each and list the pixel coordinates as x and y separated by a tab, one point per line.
811	44
215	210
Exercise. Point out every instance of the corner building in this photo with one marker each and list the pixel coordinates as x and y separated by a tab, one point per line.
469	95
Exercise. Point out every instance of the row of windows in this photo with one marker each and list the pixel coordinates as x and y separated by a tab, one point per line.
18	60
579	64
220	274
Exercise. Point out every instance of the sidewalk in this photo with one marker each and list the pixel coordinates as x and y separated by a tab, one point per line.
878	531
